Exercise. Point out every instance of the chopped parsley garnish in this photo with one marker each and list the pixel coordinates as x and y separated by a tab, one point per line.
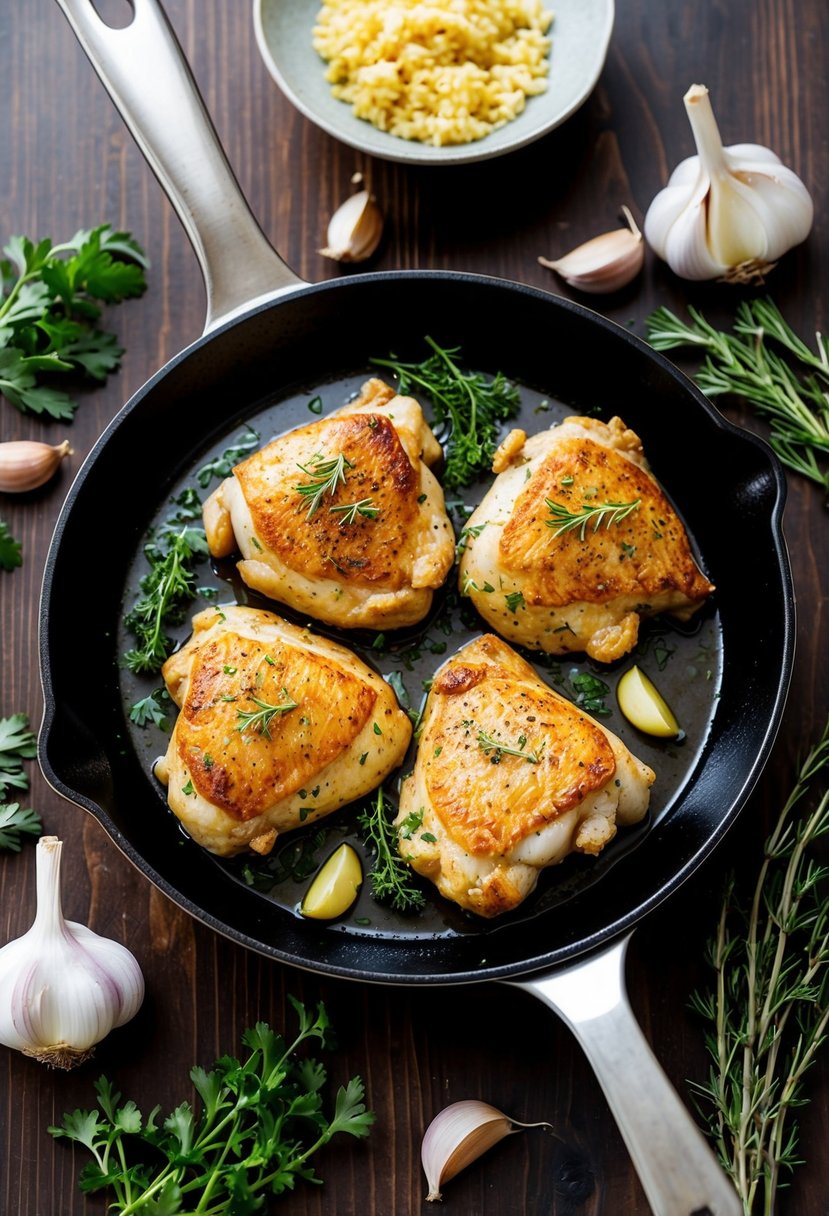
514	601
222	466
315	405
150	709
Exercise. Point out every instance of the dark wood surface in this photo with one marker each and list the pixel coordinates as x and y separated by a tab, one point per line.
67	162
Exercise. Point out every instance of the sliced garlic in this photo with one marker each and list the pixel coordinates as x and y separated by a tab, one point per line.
355	229
458	1135
62	987
606	263
727	213
26	464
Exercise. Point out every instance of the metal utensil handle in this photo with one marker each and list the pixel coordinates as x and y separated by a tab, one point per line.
678	1171
145	73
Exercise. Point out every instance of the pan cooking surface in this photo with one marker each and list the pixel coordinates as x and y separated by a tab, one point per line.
684	661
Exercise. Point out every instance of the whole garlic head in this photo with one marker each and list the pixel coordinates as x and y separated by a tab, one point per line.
727	213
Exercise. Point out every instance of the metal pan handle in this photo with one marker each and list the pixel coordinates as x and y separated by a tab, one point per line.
144	71
678	1171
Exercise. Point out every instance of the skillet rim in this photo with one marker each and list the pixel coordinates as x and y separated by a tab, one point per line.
485	972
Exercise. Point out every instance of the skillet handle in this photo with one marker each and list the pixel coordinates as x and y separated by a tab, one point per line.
145	73
678	1171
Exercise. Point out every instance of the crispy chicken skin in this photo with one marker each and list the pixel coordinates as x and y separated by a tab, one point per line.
492	820
369	571
236	784
584	588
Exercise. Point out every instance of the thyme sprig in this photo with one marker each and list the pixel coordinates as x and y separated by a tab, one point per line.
260	719
391	878
789	389
471	404
769	1009
325	476
489	744
350	510
607	513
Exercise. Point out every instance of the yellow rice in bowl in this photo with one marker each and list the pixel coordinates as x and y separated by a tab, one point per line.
440	73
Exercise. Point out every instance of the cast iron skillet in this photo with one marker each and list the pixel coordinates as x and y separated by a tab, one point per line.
270	338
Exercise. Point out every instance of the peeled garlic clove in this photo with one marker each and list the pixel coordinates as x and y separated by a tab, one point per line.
726	213
459	1135
62	987
354	229
604	264
26	464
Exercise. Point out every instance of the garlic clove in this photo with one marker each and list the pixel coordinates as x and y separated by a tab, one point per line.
63	987
604	264
458	1135
26	464
727	213
355	229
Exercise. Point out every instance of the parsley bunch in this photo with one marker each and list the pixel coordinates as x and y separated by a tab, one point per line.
11	550
17	743
471	404
260	1121
49	314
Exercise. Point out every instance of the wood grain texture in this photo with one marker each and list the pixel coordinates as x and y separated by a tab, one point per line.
66	162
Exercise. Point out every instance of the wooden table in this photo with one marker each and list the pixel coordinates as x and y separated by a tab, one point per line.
67	162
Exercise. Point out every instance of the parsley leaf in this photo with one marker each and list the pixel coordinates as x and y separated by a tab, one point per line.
150	709
222	466
17	743
11	551
259	1122
14	819
49	313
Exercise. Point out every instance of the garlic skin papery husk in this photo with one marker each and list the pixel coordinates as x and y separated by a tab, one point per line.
62	987
604	264
26	464
458	1135
355	229
727	213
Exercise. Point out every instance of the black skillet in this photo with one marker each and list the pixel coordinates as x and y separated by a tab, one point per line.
272	342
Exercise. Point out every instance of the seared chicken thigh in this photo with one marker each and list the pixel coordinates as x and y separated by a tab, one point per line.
341	519
510	777
277	727
575	541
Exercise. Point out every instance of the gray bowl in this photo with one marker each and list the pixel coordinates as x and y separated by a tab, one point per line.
580	35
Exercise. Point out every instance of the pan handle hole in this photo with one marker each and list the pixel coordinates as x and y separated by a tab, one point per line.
117	14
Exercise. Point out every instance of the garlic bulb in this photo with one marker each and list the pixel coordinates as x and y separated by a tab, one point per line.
727	213
459	1135
62	987
26	464
606	263
354	229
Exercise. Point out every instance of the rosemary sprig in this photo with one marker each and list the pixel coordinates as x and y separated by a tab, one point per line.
769	1010
606	513
260	719
325	476
790	390
349	511
488	744
471	404
391	878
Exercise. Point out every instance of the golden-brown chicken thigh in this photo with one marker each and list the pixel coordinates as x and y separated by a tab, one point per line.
277	727
575	541
372	546
510	777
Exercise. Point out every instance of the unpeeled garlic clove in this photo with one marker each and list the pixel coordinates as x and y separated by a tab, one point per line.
458	1135
355	229
26	464
726	213
604	264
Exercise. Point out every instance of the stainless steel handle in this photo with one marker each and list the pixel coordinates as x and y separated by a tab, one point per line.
145	73
678	1171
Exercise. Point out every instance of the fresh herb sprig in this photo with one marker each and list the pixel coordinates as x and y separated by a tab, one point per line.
11	550
766	364
471	404
496	749
769	1009
260	719
260	1122
166	590
350	510
607	513
325	476
390	876
222	465
48	312
17	743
